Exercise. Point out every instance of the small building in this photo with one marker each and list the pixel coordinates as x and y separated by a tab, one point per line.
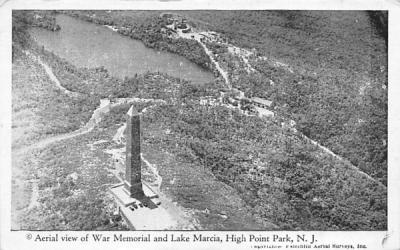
262	103
262	112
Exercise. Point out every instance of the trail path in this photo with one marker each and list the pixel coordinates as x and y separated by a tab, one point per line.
197	36
245	54
96	118
51	75
341	159
104	108
175	217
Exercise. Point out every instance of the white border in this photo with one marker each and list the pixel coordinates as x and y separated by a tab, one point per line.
16	240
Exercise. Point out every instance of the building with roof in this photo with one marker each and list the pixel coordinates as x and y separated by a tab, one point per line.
262	103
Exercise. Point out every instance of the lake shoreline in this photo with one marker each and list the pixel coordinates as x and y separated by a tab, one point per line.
120	55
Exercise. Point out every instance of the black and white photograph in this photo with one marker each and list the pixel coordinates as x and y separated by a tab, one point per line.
200	121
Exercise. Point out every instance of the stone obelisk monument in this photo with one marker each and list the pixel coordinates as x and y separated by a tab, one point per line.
138	204
133	176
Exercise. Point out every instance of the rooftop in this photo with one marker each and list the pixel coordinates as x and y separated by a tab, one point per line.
262	101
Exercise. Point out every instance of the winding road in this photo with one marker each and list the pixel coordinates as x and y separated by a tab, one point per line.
104	107
244	54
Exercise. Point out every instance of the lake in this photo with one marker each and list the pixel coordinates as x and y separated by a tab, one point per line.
87	44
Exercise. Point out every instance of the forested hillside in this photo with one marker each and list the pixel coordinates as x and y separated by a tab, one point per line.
282	179
246	171
337	92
